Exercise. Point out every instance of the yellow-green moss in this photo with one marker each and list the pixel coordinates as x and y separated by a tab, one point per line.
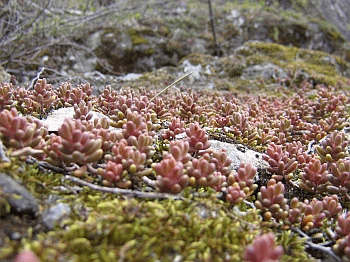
199	228
316	63
198	58
136	37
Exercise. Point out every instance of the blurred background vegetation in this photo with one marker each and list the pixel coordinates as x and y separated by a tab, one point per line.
28	29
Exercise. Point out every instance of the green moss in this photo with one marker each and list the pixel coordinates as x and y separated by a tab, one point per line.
200	228
163	30
198	58
322	67
331	31
5	207
137	37
114	30
234	65
292	244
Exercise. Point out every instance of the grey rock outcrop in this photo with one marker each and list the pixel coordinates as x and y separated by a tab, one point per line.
336	12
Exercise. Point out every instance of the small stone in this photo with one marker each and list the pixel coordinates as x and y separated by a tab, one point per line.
20	200
54	214
266	71
15	236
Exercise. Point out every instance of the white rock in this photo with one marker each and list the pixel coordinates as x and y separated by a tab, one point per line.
239	153
55	119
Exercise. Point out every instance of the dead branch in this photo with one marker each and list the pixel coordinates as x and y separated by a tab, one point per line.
125	192
325	250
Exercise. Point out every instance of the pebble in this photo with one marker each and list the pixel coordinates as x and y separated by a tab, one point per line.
20	200
54	214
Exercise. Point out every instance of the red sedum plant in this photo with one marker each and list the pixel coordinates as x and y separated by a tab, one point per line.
281	165
244	177
263	249
17	132
331	206
115	174
43	96
221	161
175	127
343	226
6	95
314	177
74	145
170	175
132	159
202	173
342	248
342	230
134	125
313	214
82	111
235	194
271	201
124	158
333	148
340	178
179	150
197	138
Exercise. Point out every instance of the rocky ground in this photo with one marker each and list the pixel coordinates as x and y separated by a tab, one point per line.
262	53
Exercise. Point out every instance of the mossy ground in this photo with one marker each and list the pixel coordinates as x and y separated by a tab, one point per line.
107	227
322	68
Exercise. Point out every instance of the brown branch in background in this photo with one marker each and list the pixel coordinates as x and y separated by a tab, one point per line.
213	28
27	26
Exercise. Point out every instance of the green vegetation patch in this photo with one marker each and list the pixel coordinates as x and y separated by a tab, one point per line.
136	37
322	67
106	227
